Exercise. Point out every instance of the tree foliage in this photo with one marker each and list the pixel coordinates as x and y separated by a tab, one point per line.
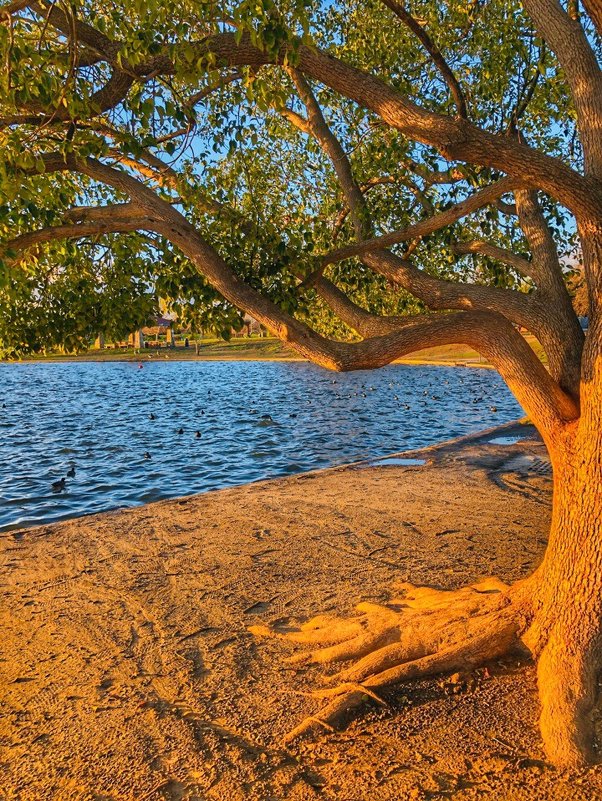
259	189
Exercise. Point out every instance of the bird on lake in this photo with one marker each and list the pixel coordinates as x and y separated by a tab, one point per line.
59	486
147	455
267	417
198	435
151	416
71	472
180	430
493	408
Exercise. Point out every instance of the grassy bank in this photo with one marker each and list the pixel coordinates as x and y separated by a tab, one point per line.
259	349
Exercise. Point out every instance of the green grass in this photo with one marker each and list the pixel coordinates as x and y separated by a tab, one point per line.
255	348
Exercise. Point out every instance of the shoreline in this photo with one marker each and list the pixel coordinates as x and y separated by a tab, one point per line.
520	428
238	358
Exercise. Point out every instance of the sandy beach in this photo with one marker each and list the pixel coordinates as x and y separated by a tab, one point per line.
128	671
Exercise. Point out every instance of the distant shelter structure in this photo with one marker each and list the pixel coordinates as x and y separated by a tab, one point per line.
141	338
162	326
249	326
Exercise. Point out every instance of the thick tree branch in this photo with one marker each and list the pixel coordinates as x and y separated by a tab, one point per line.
562	336
568	40
594	10
358	319
453	138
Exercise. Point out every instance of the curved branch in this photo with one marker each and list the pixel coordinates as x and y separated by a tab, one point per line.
434	52
453	138
523	266
358	319
568	41
479	199
562	336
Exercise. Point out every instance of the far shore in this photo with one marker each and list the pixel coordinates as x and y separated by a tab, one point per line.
257	349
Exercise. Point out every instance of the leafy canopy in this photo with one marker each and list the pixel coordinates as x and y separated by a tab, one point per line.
257	188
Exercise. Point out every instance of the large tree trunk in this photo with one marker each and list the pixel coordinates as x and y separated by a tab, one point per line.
566	634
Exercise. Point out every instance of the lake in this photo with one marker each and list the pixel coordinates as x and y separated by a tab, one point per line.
130	434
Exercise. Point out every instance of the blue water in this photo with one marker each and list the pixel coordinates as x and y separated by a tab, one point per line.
95	418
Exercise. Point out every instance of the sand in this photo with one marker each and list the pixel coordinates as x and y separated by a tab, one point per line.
127	671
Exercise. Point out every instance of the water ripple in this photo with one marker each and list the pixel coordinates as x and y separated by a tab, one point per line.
96	418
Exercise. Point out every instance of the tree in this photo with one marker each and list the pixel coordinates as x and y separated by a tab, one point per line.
328	169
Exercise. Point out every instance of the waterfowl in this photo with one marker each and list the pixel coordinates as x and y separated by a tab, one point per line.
71	472
198	435
59	486
147	455
151	416
180	430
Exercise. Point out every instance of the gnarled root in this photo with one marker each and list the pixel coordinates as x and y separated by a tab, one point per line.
422	633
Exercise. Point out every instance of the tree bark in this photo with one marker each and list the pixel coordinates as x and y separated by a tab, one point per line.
566	634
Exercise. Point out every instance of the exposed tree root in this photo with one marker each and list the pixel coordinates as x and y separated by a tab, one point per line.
421	633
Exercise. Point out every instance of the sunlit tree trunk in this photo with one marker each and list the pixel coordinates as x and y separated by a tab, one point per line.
566	634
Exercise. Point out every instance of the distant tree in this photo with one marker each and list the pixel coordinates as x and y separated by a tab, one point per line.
329	168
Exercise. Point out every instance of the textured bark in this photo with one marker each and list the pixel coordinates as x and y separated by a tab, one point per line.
566	634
